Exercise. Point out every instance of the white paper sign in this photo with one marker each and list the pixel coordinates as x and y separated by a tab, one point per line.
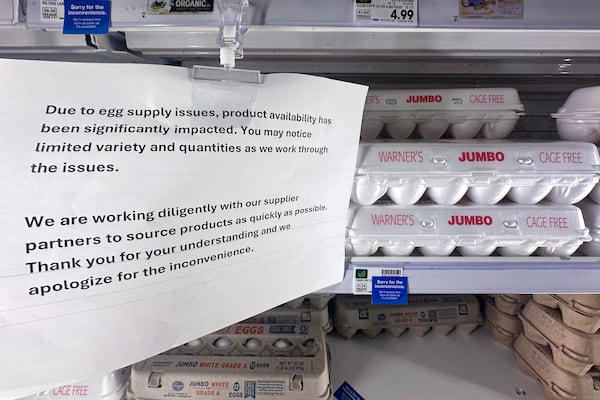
141	210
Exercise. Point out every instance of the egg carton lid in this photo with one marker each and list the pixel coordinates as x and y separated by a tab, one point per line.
359	313
304	314
443	99
479	159
577	351
582	103
314	300
500	320
470	224
579	311
511	303
559	384
213	377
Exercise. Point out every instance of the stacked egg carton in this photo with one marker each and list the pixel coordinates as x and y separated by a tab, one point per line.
439	313
579	120
312	309
464	179
501	316
260	361
560	345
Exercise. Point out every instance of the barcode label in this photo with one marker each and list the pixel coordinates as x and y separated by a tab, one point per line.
52	10
385	272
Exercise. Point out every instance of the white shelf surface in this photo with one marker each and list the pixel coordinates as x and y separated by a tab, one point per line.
432	367
485	274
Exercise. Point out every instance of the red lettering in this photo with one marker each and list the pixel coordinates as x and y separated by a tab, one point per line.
249	329
372	100
62	390
536	222
424	99
481	156
550	157
478	98
401	156
393	219
572	158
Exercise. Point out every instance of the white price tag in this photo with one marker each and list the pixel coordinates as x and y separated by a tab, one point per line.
388	12
362	277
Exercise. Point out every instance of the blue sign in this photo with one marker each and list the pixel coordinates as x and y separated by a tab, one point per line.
389	290
86	17
347	392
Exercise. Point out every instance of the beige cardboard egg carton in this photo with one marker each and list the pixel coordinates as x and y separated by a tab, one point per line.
241	361
303	314
315	300
511	303
579	311
536	361
504	327
440	313
572	350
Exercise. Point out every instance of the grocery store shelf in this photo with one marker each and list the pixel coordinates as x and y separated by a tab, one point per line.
404	50
19	42
485	274
456	366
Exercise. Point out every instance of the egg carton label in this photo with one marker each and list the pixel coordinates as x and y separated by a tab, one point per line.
461	113
304	314
485	172
161	7
579	311
572	350
536	361
500	9
423	312
474	229
243	360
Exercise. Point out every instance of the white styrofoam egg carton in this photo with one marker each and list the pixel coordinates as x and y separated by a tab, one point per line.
579	118
474	230
440	313
108	387
484	171
240	361
465	113
591	216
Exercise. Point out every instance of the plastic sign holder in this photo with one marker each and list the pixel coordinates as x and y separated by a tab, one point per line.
232	28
